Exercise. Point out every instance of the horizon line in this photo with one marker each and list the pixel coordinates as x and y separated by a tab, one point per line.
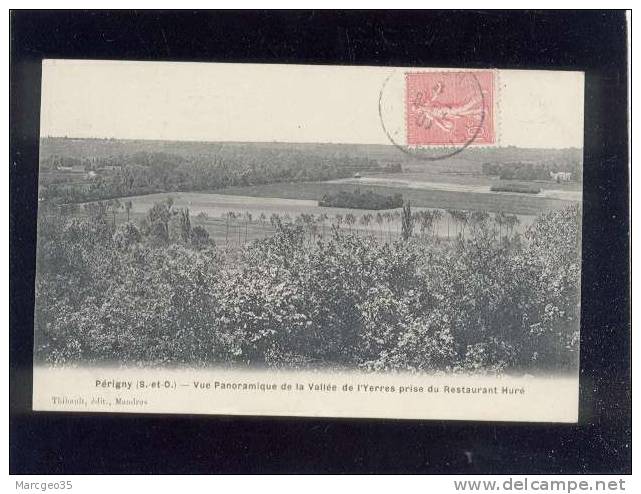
435	147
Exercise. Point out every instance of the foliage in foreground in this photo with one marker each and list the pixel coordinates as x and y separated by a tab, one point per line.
157	296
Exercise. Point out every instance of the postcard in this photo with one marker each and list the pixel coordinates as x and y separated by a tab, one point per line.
320	241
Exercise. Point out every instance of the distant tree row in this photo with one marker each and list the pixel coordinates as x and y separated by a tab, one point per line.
357	200
151	296
512	187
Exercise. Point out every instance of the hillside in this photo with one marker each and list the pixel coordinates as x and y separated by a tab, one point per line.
382	154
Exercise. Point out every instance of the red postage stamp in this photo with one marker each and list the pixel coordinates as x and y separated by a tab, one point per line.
449	108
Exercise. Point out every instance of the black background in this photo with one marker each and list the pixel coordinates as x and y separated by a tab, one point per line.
594	42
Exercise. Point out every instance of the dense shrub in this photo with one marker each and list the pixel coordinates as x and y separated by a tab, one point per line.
475	304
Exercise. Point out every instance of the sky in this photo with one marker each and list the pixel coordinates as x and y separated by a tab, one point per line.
283	103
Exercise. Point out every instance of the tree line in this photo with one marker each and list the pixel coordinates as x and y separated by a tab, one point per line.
240	227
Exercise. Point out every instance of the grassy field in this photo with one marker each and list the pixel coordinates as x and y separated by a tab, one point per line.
520	204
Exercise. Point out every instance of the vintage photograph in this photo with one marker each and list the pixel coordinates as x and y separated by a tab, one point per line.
267	218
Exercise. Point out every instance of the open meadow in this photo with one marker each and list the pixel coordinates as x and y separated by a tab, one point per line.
233	220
